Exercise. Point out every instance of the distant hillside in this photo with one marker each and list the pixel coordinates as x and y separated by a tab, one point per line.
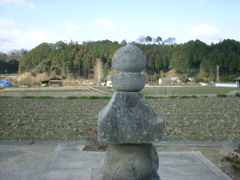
191	59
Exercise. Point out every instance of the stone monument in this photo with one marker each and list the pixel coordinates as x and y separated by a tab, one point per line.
127	124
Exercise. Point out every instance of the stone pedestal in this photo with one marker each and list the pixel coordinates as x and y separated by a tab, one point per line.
130	162
127	124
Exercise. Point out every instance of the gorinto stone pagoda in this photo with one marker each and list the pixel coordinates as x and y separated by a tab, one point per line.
127	124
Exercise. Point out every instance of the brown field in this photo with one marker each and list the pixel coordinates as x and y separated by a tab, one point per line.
197	119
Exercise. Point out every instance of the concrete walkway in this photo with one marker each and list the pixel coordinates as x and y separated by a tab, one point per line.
53	160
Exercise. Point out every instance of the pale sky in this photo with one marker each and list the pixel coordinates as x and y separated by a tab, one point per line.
27	23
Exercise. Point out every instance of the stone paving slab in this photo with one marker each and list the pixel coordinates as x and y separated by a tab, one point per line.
15	175
68	161
188	165
66	174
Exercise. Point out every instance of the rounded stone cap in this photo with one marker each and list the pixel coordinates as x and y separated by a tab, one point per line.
130	82
129	58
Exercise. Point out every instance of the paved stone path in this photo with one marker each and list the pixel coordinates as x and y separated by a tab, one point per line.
64	161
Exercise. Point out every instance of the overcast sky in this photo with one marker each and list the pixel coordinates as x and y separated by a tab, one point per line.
27	23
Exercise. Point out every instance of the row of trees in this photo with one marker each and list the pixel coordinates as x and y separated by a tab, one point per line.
157	40
64	59
193	58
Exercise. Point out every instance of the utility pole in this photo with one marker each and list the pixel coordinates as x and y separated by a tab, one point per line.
6	71
217	73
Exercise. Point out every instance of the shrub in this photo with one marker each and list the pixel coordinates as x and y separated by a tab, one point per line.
184	79
234	159
237	94
198	80
90	134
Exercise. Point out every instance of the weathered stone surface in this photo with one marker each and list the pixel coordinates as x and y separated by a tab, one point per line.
130	82
129	58
130	162
128	118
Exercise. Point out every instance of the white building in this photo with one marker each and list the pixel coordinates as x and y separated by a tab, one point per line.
109	82
169	80
225	84
238	81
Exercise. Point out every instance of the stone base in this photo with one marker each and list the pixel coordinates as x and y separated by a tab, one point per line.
131	162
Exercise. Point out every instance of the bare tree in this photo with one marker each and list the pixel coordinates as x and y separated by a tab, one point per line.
170	40
98	70
141	39
148	39
158	40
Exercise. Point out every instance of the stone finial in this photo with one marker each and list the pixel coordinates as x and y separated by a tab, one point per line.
129	61
129	58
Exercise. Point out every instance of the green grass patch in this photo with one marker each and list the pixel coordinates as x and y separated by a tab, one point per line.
45	97
221	95
72	97
29	97
172	97
5	97
194	96
37	97
185	97
88	97
68	97
186	90
99	97
237	94
95	97
154	97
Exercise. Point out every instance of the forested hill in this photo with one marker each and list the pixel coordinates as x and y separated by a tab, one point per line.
191	59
